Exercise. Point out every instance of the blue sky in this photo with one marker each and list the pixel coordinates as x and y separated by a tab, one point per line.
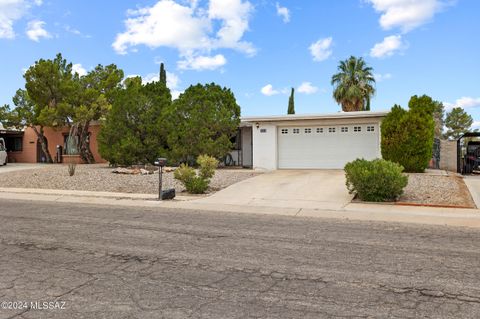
260	49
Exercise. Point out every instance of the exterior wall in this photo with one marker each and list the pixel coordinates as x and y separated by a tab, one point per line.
54	137
29	149
448	155
265	147
265	152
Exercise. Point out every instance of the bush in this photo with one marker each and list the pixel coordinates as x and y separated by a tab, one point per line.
375	181
407	136
197	184
207	166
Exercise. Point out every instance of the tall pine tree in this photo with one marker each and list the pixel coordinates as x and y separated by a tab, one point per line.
163	75
291	102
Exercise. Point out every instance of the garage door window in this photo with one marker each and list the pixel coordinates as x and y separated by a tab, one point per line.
308	130
357	129
319	129
331	130
370	128
344	129
284	131
296	131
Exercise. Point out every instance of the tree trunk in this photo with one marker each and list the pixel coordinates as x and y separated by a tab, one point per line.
43	142
84	143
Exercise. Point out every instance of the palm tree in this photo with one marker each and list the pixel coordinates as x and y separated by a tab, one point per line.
354	85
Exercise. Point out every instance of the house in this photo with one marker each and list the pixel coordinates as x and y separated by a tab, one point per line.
319	141
24	147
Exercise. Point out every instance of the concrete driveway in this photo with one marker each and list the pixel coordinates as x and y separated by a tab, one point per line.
13	167
289	189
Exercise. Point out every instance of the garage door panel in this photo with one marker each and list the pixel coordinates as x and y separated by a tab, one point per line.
326	150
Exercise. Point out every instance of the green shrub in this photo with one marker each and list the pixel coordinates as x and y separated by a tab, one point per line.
375	181
184	173
207	166
197	184
407	136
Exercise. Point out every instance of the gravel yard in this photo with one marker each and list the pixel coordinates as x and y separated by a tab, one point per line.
437	190
99	177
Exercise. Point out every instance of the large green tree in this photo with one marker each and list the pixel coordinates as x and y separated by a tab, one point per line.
407	136
92	100
202	121
291	102
354	85
457	122
45	102
438	117
134	130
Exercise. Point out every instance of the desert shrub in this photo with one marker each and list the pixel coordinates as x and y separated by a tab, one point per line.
407	136
197	184
375	181
207	166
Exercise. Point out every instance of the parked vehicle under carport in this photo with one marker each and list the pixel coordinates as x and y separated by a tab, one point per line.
468	154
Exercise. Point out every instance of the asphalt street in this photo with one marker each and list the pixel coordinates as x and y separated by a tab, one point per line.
79	261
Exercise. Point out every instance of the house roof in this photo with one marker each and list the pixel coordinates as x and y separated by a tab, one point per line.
303	117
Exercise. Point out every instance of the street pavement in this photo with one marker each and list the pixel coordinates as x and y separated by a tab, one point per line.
150	262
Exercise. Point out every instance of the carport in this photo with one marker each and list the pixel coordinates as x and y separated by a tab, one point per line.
467	158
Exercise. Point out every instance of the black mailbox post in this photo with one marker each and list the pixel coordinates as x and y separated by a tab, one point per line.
160	162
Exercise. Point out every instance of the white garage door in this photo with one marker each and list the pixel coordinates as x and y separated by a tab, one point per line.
326	146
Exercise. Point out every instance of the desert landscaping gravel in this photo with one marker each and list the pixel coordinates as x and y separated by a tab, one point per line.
99	177
448	190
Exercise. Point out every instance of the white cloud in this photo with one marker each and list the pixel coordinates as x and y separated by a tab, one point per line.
307	88
283	12
476	124
268	90
388	47
78	68
382	77
193	30
36	31
406	14
321	50
10	11
202	62
463	102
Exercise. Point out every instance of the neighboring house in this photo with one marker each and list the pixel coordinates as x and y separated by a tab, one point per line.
322	141
24	147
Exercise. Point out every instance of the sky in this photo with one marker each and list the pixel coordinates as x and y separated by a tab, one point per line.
259	49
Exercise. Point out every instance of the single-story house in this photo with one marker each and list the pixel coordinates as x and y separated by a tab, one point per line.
319	141
24	147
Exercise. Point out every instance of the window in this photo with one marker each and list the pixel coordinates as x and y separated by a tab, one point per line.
331	130
357	128
308	130
344	129
14	144
296	131
284	130
319	129
370	128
